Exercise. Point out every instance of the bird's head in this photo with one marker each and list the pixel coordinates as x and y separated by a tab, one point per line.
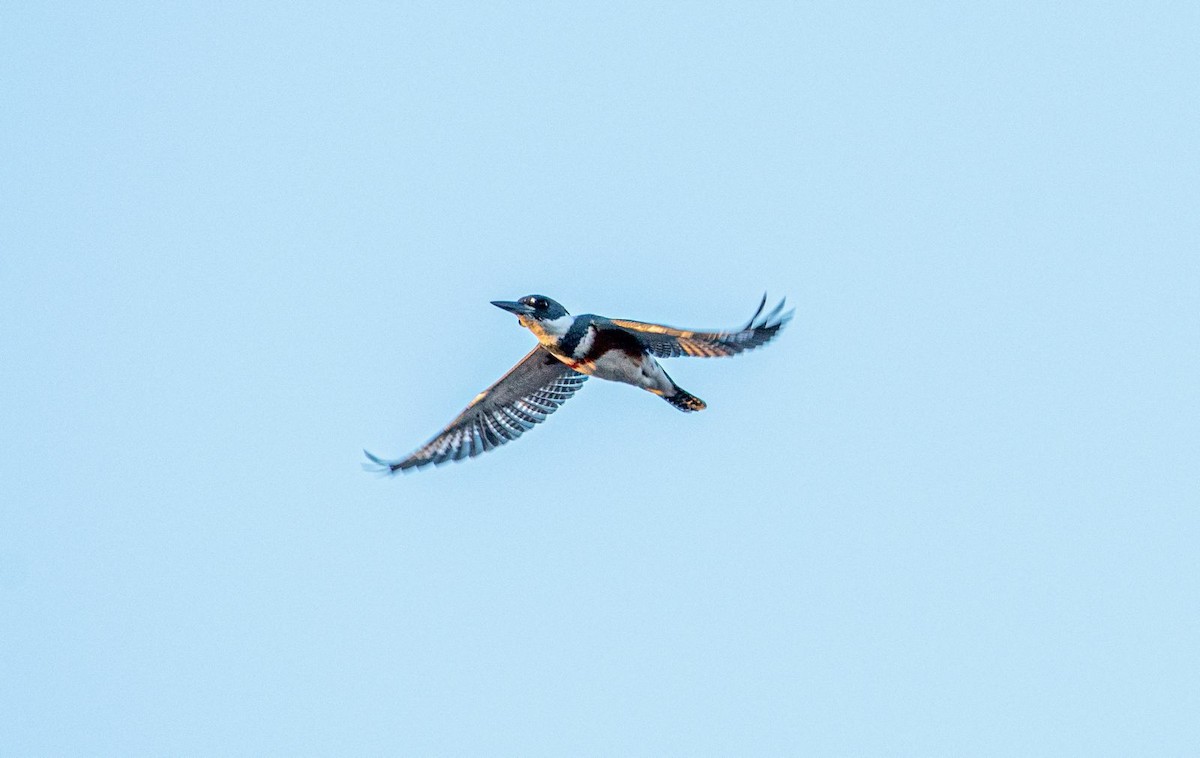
533	310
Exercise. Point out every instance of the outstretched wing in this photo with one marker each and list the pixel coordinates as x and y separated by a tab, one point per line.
669	342
525	396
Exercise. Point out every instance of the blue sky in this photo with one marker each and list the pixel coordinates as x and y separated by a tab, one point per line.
951	511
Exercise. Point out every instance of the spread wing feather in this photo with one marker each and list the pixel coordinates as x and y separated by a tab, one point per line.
524	397
669	342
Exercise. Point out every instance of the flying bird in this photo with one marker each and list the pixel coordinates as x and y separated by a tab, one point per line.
570	349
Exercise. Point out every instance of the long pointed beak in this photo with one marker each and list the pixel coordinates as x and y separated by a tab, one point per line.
519	309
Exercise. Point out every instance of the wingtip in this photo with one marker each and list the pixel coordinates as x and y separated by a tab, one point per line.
378	465
772	317
775	311
757	312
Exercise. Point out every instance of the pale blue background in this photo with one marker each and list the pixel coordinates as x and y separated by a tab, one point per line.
952	511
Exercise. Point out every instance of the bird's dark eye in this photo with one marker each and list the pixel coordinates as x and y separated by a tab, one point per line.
540	304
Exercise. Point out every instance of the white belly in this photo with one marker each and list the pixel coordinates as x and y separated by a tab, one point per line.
616	366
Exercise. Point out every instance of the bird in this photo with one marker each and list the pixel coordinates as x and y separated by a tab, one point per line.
569	350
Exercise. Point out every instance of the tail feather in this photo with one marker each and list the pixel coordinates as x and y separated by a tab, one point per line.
685	401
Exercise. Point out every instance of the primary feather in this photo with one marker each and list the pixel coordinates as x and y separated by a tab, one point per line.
522	398
669	342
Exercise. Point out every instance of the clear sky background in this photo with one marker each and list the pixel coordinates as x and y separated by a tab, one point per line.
952	511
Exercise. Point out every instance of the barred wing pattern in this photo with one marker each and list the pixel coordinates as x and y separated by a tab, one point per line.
524	397
669	342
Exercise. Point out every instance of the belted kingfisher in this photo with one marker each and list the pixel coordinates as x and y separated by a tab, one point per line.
570	349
